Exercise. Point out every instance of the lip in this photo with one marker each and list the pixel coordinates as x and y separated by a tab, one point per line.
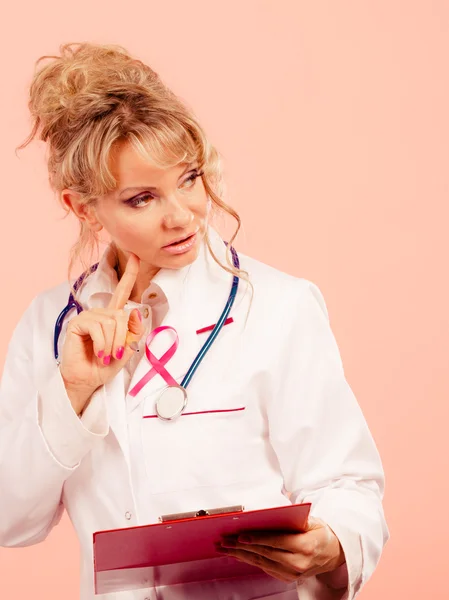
182	248
179	239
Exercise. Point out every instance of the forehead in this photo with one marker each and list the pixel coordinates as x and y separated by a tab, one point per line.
129	167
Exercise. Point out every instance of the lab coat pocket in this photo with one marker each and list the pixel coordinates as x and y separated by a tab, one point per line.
211	444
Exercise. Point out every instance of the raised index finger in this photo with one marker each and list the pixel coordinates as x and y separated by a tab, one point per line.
126	283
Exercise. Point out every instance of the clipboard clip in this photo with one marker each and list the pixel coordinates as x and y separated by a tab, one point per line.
225	510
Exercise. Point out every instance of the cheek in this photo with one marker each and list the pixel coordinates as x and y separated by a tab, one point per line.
129	233
202	205
120	229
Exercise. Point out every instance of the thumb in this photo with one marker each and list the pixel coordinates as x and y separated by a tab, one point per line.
135	324
136	329
314	523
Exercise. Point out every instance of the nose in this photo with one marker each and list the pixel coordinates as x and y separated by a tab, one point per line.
176	214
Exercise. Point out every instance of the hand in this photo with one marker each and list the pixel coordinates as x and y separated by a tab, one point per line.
288	557
96	344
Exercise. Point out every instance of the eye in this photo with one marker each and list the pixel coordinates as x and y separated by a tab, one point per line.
145	198
139	201
190	181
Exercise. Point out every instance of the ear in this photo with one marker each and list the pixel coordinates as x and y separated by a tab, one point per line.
84	212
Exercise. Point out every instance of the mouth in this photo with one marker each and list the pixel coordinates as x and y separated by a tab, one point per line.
181	240
181	245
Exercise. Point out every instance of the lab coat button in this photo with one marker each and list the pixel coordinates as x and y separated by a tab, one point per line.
128	515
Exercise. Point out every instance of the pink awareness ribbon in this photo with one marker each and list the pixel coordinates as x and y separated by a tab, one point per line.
158	365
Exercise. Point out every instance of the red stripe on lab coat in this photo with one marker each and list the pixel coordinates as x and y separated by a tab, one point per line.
203	412
210	327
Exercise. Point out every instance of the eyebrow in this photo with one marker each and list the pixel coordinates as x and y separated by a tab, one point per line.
149	187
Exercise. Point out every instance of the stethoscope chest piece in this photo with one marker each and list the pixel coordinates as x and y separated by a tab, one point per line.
171	402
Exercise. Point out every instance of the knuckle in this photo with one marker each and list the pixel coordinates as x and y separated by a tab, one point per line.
75	322
302	565
116	313
309	547
291	562
306	549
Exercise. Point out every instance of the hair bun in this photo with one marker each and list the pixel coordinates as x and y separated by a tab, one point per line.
71	87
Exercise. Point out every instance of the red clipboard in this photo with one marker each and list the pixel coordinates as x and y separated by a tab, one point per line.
183	550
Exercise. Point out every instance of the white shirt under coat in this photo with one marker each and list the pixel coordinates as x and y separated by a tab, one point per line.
301	436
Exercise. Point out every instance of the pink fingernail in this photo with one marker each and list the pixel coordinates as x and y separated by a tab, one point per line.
101	354
107	359
139	315
120	352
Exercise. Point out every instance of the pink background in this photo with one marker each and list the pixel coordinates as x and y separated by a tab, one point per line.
333	121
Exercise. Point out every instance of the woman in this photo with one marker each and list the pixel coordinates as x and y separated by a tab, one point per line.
270	418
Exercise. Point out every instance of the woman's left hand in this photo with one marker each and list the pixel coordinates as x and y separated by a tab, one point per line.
288	557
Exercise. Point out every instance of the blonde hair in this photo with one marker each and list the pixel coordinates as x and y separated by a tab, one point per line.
92	96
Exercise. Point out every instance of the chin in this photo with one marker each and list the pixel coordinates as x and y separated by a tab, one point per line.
181	260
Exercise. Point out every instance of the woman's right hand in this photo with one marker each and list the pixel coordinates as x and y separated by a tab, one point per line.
97	342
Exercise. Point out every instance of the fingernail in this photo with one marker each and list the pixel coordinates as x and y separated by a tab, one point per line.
107	359
101	354
139	315
134	346
120	352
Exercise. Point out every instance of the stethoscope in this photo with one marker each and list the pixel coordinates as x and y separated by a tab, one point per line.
173	399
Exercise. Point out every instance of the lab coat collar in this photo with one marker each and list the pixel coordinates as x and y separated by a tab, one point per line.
101	285
98	288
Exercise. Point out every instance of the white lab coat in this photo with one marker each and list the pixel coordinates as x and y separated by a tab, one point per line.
301	436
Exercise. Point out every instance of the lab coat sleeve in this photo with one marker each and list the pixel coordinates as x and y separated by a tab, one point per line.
325	450
68	436
42	441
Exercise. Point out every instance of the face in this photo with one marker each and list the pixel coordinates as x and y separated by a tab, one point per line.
158	214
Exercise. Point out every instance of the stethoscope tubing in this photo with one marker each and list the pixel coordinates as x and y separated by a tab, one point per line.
219	325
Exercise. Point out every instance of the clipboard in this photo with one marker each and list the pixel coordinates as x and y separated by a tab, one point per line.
182	550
